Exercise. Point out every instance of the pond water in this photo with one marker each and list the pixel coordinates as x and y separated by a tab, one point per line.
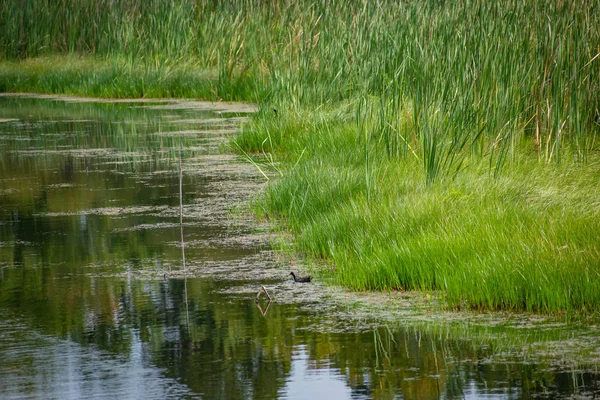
97	302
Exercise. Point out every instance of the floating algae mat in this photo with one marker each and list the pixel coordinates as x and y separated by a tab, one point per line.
95	300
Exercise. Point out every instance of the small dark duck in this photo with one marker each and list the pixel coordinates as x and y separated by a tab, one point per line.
301	280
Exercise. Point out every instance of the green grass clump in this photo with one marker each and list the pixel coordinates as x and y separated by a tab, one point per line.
424	144
523	239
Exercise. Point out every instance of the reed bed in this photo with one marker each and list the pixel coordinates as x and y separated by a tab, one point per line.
429	145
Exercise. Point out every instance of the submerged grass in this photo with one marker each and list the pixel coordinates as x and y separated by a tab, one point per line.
424	144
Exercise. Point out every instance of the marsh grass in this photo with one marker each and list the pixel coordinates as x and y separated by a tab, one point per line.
102	77
522	239
427	145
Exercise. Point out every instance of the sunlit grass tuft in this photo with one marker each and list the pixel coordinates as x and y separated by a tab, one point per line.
525	239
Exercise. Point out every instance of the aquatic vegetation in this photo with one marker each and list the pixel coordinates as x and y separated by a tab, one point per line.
422	144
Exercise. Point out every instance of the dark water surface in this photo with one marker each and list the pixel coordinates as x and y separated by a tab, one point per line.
94	301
